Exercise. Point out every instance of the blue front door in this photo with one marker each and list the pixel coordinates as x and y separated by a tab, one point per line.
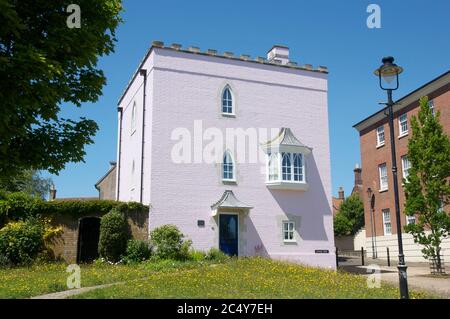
228	234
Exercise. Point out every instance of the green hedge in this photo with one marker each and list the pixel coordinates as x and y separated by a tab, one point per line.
17	206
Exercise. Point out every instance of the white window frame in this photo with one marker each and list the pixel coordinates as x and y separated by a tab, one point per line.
410	220
403	119
431	106
387	223
380	130
233	167
405	170
133	118
289	231
276	158
384	182
133	173
286	170
232	99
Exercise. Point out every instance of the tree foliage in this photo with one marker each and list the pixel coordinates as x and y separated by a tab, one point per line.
427	187
44	63
29	182
350	217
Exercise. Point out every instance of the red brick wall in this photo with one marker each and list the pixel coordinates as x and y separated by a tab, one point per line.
371	157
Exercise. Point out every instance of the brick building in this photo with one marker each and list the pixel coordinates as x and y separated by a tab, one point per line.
376	162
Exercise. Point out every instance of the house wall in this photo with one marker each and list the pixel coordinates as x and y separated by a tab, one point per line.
65	246
187	88
107	187
371	157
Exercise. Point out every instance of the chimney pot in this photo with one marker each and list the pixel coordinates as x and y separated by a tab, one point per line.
158	44
358	175
176	46
52	193
341	193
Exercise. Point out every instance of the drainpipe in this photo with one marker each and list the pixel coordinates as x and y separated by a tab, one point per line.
143	72
119	151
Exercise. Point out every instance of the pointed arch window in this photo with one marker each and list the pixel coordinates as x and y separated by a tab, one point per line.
228	168
227	101
133	117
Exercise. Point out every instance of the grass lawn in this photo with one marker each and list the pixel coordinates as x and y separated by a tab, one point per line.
249	278
236	278
36	280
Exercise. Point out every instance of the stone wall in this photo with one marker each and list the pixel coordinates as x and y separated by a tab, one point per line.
65	246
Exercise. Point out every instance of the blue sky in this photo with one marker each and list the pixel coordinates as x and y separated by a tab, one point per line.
319	32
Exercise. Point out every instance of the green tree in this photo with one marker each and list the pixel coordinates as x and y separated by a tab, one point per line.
427	187
350	217
29	182
44	63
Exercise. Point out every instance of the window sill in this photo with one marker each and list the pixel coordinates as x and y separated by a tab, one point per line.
380	145
383	190
231	115
301	186
290	242
403	135
229	181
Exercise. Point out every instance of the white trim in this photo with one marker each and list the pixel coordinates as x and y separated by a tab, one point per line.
233	102
238	237
400	129
382	187
283	231
233	164
133	118
383	212
403	165
379	143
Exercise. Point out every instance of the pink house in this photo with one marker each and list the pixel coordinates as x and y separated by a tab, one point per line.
233	151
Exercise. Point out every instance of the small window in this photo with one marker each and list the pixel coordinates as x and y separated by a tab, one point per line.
286	167
405	166
383	177
227	101
227	167
380	136
298	167
403	124
410	220
387	222
288	231
273	166
133	118
133	169
431	106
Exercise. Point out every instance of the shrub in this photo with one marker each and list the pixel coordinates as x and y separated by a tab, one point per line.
215	254
113	236
168	243
17	206
197	255
21	241
137	251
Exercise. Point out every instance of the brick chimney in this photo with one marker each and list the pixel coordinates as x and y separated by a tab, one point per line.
52	195
358	176
341	193
278	53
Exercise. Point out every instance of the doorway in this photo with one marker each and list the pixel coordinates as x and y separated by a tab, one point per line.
88	236
228	234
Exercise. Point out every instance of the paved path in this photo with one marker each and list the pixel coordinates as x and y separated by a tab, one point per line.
72	292
418	275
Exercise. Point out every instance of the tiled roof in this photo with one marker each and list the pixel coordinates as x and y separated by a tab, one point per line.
229	200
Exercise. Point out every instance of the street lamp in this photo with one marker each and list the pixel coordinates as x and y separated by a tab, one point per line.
387	73
371	197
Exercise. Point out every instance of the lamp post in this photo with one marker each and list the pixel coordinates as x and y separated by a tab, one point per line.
371	197
387	73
